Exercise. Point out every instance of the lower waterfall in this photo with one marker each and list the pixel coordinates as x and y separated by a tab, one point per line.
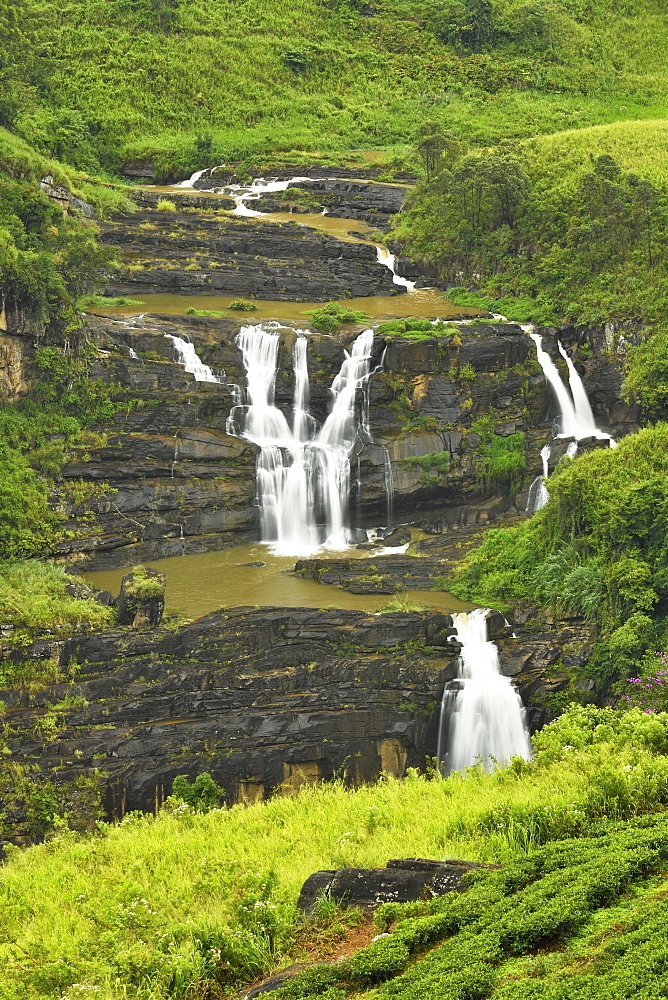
303	472
482	716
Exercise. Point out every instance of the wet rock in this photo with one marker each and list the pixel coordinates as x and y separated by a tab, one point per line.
400	536
266	700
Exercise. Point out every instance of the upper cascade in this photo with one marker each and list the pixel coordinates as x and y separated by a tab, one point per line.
482	716
303	472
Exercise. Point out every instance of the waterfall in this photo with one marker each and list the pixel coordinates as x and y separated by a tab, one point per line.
389	260
243	193
482	717
187	356
538	494
575	416
191	181
577	419
568	417
586	425
303	474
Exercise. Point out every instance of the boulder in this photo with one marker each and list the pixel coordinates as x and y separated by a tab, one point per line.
403	880
141	601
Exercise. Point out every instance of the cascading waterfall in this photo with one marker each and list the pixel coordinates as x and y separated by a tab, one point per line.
187	356
482	716
538	494
257	188
192	180
303	474
575	417
389	260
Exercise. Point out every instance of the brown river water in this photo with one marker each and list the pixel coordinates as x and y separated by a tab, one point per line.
198	584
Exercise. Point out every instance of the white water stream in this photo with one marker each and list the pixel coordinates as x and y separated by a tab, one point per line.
482	716
187	356
303	473
576	418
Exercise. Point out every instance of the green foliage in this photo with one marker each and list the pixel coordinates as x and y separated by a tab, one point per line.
646	379
144	585
203	312
201	795
598	548
68	386
33	596
35	807
580	245
332	316
500	460
242	305
191	897
107	302
165	205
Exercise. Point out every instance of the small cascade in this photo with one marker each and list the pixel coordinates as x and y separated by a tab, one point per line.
538	494
133	355
303	473
191	181
568	417
242	193
389	489
389	260
482	716
576	418
187	356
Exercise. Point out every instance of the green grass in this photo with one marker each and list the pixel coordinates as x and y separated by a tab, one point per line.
223	82
157	907
33	598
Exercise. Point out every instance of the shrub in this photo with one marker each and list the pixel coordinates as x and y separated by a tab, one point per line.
242	305
165	205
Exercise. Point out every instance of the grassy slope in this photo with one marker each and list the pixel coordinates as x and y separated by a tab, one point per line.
147	901
366	81
560	159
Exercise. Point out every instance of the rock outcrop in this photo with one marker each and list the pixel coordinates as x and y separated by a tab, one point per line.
402	880
265	700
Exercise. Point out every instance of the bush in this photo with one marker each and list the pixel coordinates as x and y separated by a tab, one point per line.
242	305
165	205
202	794
333	316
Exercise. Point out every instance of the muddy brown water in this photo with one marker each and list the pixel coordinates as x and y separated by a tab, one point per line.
198	584
426	303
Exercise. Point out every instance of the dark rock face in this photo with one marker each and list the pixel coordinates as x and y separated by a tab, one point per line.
403	880
265	700
212	254
375	575
346	199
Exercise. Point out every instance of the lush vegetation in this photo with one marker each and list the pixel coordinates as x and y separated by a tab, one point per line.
34	595
598	549
191	902
580	245
198	83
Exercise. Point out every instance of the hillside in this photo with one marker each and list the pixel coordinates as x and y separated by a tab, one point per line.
188	905
193	83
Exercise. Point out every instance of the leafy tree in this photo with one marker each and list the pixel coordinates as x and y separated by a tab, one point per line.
203	794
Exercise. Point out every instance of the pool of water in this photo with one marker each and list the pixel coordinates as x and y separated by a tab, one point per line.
198	584
427	303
